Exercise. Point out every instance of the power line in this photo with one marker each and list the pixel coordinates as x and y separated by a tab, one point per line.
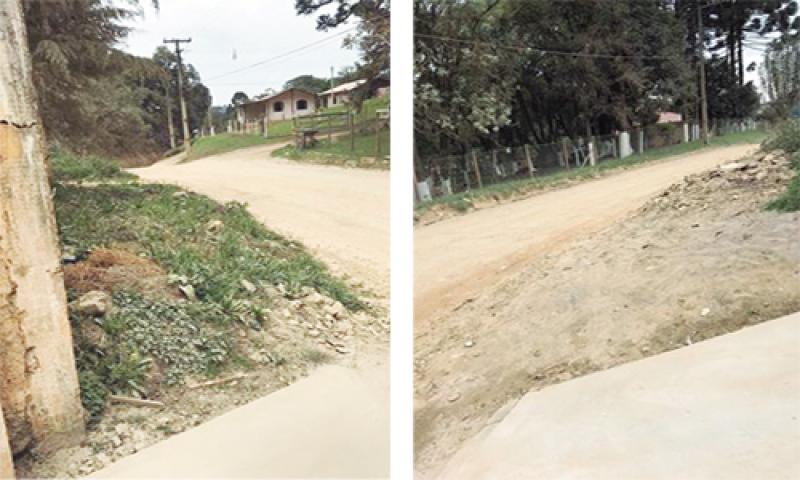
284	55
518	48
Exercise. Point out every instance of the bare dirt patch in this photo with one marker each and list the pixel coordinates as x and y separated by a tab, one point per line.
702	259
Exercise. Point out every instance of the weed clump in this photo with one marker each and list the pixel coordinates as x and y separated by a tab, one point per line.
787	139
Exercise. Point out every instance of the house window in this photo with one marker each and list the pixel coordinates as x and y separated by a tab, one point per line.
302	105
278	107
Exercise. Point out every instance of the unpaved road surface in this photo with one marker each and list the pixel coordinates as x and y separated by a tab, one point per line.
458	257
596	283
340	214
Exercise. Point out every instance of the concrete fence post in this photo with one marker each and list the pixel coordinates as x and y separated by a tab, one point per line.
641	140
685	133
591	148
424	191
625	149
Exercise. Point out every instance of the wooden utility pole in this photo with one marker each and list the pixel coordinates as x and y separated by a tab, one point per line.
187	135
38	379
701	61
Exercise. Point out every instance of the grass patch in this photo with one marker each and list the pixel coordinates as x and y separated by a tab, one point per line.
339	152
227	142
152	338
368	108
787	139
68	167
463	201
172	231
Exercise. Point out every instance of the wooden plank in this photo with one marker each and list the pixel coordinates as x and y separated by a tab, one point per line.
136	402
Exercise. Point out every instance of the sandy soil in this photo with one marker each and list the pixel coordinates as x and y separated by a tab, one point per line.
595	280
341	214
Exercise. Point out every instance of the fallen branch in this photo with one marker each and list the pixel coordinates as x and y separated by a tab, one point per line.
221	381
138	402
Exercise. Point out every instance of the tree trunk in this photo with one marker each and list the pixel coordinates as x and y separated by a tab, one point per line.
38	380
741	57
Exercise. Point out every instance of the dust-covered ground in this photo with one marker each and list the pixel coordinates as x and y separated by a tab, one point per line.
702	259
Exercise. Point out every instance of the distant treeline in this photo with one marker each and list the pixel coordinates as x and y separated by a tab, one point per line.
508	72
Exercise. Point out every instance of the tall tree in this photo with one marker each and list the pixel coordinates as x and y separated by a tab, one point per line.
308	82
780	75
372	37
517	71
38	379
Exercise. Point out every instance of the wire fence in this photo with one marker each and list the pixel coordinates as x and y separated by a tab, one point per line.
438	176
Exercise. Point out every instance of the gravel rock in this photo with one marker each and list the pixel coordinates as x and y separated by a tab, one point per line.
94	303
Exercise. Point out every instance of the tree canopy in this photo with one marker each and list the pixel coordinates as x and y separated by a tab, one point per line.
512	71
94	97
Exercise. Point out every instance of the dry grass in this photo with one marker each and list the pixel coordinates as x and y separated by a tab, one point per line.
112	270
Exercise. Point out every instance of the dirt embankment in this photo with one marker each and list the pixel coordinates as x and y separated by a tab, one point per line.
702	259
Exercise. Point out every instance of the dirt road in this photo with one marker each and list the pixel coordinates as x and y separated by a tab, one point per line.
340	214
456	258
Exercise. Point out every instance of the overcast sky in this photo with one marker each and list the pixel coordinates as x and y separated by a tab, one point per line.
255	30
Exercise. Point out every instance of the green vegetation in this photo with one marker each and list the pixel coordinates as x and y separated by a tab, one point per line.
227	142
153	338
461	202
68	167
338	151
787	139
368	108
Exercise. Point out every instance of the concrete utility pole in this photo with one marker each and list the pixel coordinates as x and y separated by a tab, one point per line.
6	460
701	61
187	135
38	380
171	127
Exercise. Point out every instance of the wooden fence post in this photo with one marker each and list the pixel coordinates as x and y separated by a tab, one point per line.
565	152
530	160
352	133
377	138
477	168
466	171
